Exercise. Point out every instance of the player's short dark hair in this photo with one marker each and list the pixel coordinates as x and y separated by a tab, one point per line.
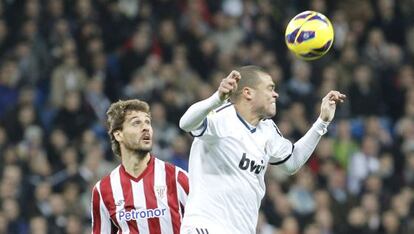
250	76
116	117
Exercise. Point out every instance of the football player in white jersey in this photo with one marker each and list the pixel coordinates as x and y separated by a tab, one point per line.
234	141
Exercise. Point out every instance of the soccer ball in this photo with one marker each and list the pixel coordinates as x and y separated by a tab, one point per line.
309	35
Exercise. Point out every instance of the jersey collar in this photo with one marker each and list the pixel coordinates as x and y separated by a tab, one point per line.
149	169
246	124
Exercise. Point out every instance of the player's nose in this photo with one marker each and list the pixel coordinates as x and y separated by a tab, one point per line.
146	128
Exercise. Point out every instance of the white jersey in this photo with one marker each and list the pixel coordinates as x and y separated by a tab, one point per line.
228	160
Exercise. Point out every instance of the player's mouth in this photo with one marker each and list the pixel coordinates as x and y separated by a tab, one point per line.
146	138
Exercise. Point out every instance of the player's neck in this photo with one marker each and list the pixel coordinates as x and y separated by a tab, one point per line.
135	164
245	111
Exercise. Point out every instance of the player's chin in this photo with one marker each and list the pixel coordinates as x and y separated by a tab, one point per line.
270	114
147	147
271	111
144	149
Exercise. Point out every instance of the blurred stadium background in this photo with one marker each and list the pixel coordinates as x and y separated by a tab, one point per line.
63	61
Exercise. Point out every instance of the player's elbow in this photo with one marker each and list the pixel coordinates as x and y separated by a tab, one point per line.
184	125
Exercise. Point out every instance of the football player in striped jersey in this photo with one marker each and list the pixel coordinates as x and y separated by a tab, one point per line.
143	194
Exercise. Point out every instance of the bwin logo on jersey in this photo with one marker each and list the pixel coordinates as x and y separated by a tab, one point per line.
249	164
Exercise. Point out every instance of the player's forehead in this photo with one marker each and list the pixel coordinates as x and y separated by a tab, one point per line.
265	80
135	114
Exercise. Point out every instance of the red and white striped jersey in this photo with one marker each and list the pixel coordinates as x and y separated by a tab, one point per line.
152	203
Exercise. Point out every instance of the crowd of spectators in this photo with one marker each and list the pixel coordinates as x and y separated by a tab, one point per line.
62	62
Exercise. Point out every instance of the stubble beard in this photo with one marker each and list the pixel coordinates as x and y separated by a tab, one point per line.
139	150
272	112
267	113
143	150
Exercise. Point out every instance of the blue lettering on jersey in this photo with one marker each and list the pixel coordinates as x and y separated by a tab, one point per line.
251	165
141	214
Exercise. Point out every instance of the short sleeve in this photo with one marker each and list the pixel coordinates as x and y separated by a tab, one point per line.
101	221
183	186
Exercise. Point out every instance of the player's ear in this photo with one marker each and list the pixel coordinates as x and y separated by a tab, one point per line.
248	93
118	135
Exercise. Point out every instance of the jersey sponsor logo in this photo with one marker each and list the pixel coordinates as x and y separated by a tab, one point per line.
250	165
141	214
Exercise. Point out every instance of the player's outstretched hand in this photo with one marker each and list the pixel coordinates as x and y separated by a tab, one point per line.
229	85
328	105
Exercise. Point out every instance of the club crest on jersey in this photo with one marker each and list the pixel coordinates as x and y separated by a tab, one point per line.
120	203
160	190
251	165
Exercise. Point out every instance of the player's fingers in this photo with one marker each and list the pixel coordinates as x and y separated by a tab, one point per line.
332	94
224	84
339	94
342	96
328	96
232	74
335	95
233	79
339	97
236	76
231	82
227	86
224	89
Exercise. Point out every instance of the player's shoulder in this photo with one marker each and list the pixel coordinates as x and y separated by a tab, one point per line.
271	125
222	112
223	109
98	184
170	166
105	180
268	122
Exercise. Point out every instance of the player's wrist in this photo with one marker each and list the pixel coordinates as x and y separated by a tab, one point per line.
216	99
321	126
